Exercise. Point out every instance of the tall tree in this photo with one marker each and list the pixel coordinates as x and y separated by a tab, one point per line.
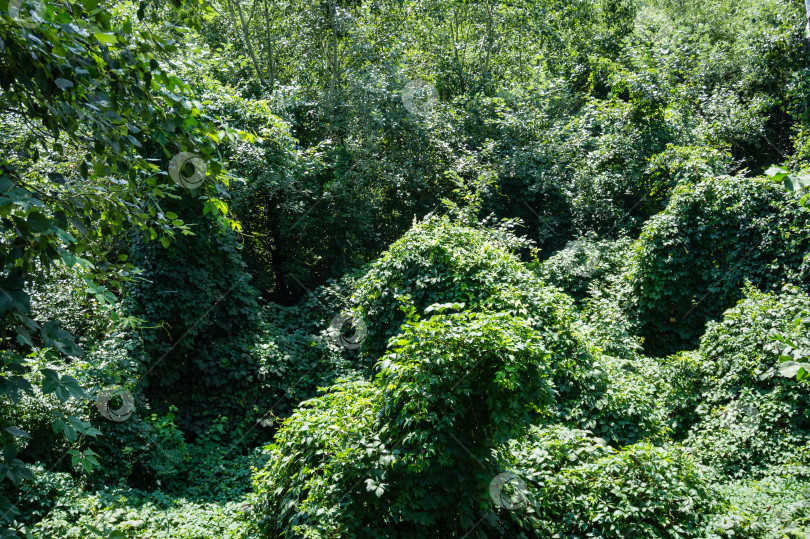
105	112
807	28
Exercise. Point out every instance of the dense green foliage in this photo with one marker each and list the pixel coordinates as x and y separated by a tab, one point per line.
450	388
751	414
404	268
579	485
437	262
689	242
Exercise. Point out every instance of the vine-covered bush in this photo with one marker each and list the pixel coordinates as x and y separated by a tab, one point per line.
604	322
295	351
200	316
692	259
409	454
641	491
617	401
442	262
748	414
478	377
317	464
460	266
576	486
583	262
683	384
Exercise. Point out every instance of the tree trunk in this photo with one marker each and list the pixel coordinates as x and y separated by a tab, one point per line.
270	49
334	82
807	26
246	37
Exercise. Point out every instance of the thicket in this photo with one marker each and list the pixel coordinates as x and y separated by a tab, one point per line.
430	269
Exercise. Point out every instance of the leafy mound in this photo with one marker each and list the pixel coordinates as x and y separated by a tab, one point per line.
414	452
748	414
317	462
410	453
442	262
618	401
693	258
444	265
575	486
583	262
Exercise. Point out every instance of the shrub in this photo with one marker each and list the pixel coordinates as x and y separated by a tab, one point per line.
478	375
691	164
684	384
405	455
575	486
36	410
40	495
747	417
583	263
318	461
618	402
538	459
775	506
693	258
641	491
618	391
200	313
441	262
604	324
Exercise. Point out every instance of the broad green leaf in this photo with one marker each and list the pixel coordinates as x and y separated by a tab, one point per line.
38	222
18	433
789	369
107	39
60	339
776	173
